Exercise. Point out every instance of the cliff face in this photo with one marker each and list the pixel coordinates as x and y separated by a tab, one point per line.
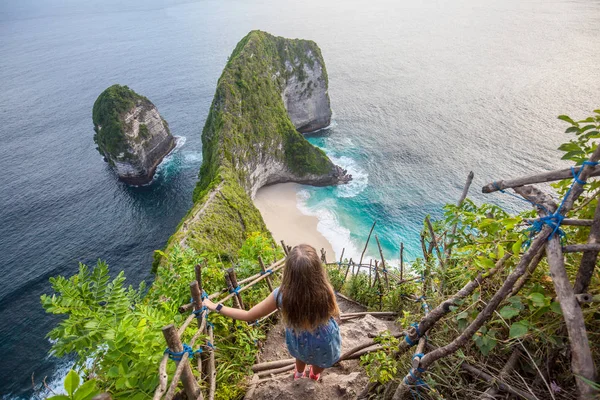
305	94
270	88
130	134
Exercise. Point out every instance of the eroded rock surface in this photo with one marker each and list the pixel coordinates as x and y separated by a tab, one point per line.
306	96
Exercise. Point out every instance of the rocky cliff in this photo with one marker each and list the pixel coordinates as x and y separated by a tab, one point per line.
130	134
270	89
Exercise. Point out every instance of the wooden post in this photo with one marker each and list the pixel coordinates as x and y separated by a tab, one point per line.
401	259
198	271
438	252
285	248
262	267
274	252
197	297
192	390
370	267
387	282
378	279
366	244
212	371
582	363
234	283
347	269
424	247
463	196
588	260
323	256
230	288
341	258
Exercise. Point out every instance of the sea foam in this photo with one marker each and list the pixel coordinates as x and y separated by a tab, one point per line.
328	224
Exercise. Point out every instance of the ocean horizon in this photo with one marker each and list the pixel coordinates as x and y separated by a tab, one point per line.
422	93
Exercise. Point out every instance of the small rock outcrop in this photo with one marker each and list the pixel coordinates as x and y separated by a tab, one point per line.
130	134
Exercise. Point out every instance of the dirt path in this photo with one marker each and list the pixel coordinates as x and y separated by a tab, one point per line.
344	381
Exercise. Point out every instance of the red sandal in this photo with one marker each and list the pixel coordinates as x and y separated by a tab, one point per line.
313	376
297	375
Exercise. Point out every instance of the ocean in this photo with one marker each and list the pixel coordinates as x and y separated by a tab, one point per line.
422	93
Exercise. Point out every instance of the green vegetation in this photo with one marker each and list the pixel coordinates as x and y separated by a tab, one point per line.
247	123
106	115
75	390
248	118
143	131
530	319
119	328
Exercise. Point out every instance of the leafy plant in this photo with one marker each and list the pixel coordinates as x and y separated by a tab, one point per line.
380	366
74	390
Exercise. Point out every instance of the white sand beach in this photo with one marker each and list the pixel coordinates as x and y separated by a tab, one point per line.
279	208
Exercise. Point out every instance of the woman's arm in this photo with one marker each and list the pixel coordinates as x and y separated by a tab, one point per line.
263	308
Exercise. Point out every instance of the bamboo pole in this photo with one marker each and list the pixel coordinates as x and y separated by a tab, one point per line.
438	252
264	271
234	282
578	248
370	267
285	249
401	259
346	275
384	269
590	257
582	362
566	173
461	200
253	277
497	381
187	377
198	272
212	371
197	297
366	244
379	288
491	392
163	378
231	289
567	221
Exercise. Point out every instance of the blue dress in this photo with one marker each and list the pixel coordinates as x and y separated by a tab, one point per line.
321	348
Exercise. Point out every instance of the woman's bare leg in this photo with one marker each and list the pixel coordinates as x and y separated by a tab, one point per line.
300	365
317	370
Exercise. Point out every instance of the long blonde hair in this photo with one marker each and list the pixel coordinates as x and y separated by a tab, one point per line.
307	297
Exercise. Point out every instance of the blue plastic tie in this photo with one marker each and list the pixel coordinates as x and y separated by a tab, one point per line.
178	355
236	290
418	355
553	220
416	325
576	176
209	344
268	271
203	295
198	312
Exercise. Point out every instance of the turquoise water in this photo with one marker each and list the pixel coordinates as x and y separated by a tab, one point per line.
422	93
